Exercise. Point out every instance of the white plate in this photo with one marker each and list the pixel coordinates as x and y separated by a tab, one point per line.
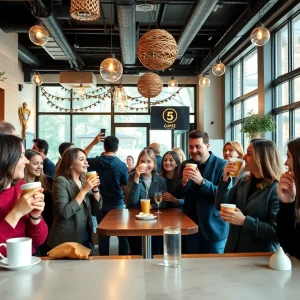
148	217
34	260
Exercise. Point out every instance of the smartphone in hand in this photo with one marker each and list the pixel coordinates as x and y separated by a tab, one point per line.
103	131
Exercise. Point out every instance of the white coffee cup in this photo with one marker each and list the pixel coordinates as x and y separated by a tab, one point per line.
27	187
18	251
192	166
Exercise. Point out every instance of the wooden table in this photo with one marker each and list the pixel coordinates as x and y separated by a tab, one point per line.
122	222
220	277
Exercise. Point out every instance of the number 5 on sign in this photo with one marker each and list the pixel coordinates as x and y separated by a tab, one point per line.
169	115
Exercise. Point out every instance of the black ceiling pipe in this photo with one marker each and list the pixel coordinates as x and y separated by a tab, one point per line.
51	23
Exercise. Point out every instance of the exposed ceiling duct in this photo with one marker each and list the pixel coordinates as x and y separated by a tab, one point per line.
198	17
58	48
127	30
27	57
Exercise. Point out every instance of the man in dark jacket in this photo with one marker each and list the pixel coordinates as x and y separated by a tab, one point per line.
199	186
113	175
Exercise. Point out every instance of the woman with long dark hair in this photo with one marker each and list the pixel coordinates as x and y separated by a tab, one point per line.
73	198
34	172
19	216
253	222
170	171
288	217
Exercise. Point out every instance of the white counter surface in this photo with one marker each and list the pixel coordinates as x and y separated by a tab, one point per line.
225	278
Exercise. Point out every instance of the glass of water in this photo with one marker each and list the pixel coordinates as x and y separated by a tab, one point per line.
172	246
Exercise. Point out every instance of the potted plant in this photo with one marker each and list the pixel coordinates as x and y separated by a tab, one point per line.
255	124
2	78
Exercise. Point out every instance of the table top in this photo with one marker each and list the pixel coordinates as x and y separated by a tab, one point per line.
122	222
226	278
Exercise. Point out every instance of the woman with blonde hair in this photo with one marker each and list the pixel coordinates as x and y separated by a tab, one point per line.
142	184
288	218
253	222
233	149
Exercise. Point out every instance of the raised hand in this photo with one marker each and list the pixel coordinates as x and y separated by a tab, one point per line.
230	167
286	188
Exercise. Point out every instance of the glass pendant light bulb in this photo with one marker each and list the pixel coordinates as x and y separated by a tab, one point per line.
204	81
119	95
218	68
37	79
172	84
260	36
39	35
111	69
81	90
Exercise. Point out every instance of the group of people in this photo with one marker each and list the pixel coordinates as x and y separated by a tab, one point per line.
265	194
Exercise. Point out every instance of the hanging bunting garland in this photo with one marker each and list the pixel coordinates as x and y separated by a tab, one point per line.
106	94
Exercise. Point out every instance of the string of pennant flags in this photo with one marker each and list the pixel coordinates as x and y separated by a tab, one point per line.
101	94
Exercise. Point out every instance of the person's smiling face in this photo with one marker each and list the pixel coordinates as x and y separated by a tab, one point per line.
198	150
20	167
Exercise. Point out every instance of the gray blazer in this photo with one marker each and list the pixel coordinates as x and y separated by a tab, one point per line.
70	218
258	234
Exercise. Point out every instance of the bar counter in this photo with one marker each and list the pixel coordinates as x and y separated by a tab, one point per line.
221	277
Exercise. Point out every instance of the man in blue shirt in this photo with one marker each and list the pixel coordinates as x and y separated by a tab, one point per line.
113	175
199	186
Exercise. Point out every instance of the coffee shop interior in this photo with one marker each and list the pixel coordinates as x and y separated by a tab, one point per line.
216	68
70	69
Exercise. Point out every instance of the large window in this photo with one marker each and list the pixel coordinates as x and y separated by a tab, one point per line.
286	81
243	93
61	120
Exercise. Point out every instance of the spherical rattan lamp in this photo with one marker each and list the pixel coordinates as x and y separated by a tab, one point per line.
157	49
111	69
85	10
39	35
150	85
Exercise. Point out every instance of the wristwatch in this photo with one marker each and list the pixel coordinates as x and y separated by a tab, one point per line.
203	182
35	218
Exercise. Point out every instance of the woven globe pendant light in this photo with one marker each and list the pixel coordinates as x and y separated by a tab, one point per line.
150	85
85	10
157	49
